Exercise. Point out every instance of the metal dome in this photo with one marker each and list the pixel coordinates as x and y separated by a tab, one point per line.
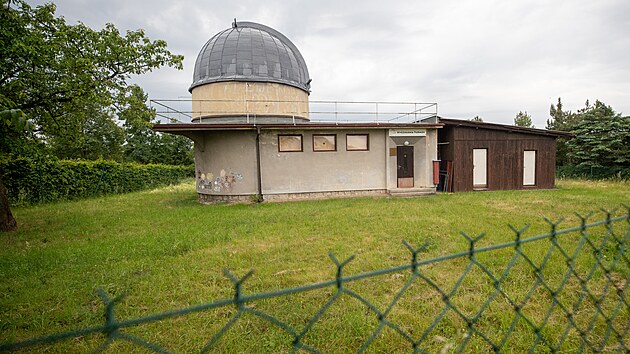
250	52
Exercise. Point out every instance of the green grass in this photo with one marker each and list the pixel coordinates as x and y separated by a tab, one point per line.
165	251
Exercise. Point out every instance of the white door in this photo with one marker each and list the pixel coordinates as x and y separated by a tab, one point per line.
480	168
529	167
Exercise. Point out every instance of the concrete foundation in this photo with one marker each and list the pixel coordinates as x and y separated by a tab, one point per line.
212	199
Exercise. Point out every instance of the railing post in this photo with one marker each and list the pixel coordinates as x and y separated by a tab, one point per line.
415	112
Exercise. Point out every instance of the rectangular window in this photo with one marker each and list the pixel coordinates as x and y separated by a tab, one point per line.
290	143
323	142
357	142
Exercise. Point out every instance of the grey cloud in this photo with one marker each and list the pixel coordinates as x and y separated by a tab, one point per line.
490	58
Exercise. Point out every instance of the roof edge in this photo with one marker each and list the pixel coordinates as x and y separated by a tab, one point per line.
238	78
503	127
178	127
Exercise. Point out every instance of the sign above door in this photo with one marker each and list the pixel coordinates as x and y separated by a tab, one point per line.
407	132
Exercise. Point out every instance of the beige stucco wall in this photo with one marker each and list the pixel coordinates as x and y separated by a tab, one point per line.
425	152
309	171
226	163
233	98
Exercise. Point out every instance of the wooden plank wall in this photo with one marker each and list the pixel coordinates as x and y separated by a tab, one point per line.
445	153
505	157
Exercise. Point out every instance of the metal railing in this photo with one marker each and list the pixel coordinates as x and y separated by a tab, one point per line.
571	295
338	112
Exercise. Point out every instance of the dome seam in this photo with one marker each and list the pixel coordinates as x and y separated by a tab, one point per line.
262	40
216	37
286	51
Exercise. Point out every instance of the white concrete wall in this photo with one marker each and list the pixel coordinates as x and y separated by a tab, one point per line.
425	152
310	171
226	163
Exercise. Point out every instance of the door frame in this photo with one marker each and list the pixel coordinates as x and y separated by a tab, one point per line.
534	154
405	157
483	171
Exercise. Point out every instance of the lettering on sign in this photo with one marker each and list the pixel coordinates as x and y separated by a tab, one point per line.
407	132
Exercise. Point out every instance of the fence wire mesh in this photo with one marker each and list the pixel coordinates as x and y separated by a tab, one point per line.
563	291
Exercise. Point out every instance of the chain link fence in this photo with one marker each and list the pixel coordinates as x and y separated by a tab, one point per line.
594	172
563	291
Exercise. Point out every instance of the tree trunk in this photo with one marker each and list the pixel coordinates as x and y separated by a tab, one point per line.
7	222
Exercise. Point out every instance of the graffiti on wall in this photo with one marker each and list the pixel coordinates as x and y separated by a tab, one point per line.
224	182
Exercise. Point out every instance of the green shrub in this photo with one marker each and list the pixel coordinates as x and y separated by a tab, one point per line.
42	180
593	172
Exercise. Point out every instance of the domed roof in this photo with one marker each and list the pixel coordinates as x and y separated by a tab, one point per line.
250	52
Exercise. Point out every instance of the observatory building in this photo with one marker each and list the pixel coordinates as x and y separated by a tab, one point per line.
256	134
250	69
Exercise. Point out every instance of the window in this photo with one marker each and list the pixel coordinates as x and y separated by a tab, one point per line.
324	142
357	142
289	143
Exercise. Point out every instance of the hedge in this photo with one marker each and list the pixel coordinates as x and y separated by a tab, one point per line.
33	181
593	172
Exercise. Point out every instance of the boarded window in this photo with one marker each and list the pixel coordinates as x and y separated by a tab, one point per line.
324	142
357	142
289	143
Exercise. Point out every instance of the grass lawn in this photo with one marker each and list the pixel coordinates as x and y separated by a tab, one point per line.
165	251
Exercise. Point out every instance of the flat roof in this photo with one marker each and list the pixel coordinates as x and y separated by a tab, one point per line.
182	127
503	127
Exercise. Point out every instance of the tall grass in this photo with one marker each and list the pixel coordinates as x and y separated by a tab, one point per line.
165	251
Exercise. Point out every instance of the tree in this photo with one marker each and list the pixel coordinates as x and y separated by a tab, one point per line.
175	149
51	70
523	119
602	137
90	133
7	221
137	118
144	145
14	127
560	120
56	74
15	131
563	121
476	119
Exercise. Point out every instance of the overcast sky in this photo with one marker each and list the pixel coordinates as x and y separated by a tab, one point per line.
491	58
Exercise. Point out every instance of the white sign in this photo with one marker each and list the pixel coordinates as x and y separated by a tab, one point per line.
407	132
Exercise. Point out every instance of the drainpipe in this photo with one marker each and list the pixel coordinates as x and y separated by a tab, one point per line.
260	195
